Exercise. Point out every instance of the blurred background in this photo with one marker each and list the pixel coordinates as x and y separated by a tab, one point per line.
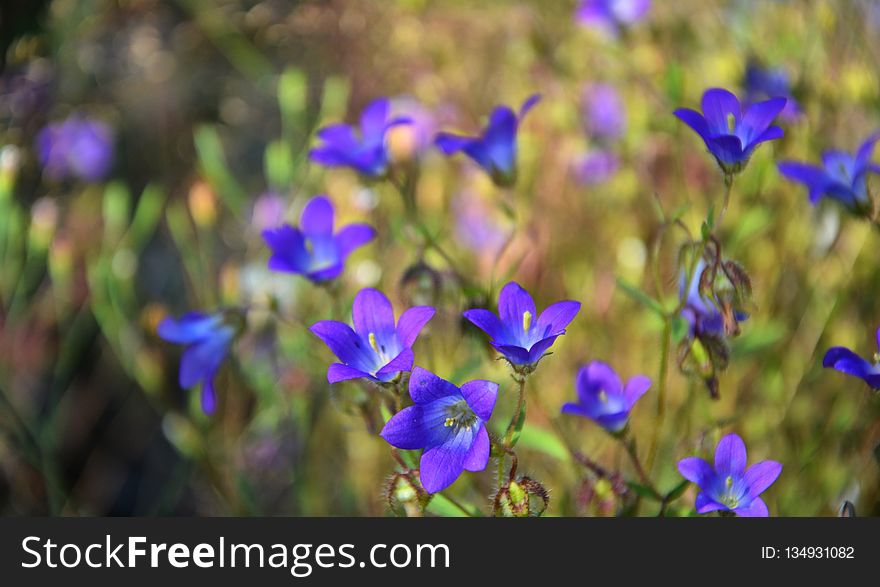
191	121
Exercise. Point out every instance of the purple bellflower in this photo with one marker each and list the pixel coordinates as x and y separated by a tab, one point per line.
595	167
603	112
846	361
376	348
764	83
730	132
495	149
521	335
76	148
448	422
603	398
611	15
730	486
364	150
208	338
841	177
312	249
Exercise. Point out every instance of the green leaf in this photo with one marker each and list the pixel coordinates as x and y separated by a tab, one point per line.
641	490
641	297
215	168
517	429
543	440
680	329
278	163
678	491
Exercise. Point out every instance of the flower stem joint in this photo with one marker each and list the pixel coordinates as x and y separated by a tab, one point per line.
520	498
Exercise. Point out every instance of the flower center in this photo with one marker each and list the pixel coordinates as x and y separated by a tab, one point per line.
527	321
459	416
377	348
603	397
728	499
731	123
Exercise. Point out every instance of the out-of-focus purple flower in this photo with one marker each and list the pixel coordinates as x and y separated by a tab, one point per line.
594	167
611	15
449	423
312	249
764	83
416	138
841	177
495	149
603	398
730	132
603	112
76	148
376	348
521	335
268	211
208	338
846	361
364	149
475	227
730	486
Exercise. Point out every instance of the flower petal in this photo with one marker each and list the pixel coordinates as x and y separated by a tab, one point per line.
730	456
440	466
352	236
556	317
756	509
426	387
695	120
814	177
289	253
345	344
478	457
487	322
201	361
317	217
705	504
189	328
594	377
515	354
538	349
402	362
727	149
528	105
450	143
718	104
846	361
208	397
480	396
339	372
373	119
762	475
696	470
411	323
636	388
405	429
372	313
513	303
758	118
500	139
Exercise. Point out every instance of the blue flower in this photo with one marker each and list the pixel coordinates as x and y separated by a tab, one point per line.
763	83
730	132
495	149
603	112
841	177
365	151
611	15
76	148
702	315
208	338
448	422
846	361
603	398
376	349
312	249
521	335
730	486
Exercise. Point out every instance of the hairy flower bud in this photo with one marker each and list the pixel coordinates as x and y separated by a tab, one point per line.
520	498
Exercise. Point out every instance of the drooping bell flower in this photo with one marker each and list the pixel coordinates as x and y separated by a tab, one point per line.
603	398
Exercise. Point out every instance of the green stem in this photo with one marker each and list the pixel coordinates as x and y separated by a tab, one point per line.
665	343
630	447
520	405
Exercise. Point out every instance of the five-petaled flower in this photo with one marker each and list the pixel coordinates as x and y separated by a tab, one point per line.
603	398
312	249
448	422
611	15
730	486
77	147
846	361
208	338
495	149
521	335
762	83
364	150
376	349
731	132
841	177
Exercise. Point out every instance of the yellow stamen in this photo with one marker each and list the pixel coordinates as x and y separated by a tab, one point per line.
373	343
603	397
449	422
527	320
731	122
729	482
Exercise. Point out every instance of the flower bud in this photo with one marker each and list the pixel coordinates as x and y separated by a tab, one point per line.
521	498
405	495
